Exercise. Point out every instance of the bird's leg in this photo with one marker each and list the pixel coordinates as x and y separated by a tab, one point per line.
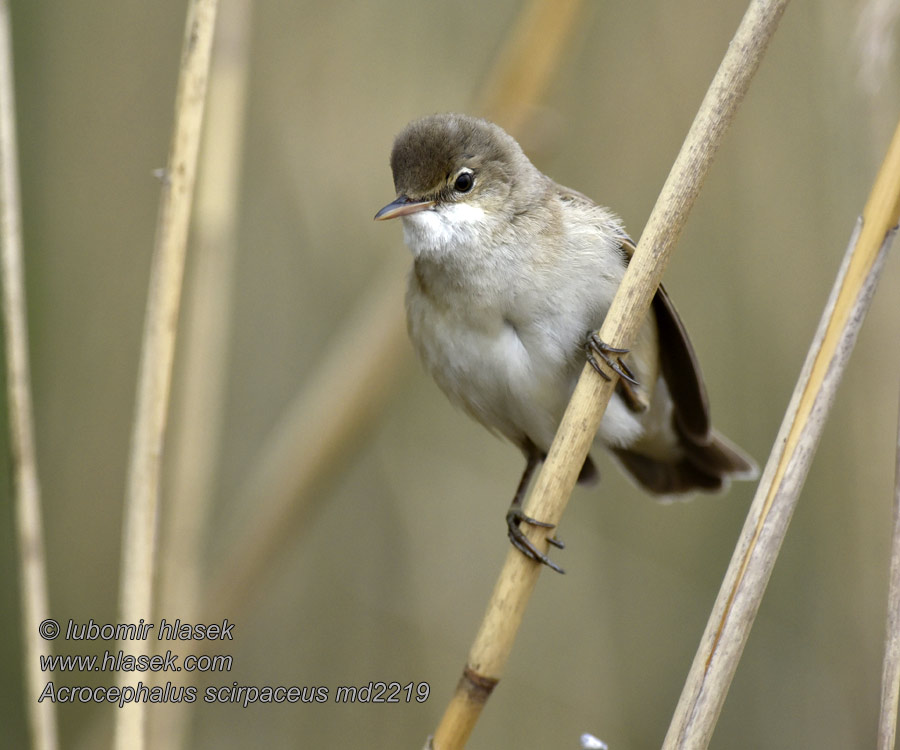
515	516
594	346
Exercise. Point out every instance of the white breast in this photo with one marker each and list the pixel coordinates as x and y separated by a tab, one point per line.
503	337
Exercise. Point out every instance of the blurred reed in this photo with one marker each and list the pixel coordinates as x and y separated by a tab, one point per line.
27	500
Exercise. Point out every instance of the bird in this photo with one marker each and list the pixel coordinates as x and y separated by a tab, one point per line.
512	277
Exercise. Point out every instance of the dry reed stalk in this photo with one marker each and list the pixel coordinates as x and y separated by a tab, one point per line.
323	418
157	352
197	424
197	427
27	491
770	513
554	484
890	677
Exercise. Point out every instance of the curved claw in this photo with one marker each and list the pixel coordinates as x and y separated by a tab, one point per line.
594	346
522	543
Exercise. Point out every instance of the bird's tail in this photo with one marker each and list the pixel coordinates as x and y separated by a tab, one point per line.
704	466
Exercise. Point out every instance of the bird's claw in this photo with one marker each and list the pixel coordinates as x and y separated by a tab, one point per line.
514	517
594	347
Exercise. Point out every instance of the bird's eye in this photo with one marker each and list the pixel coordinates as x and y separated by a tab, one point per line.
464	181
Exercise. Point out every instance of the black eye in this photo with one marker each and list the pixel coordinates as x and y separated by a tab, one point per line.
464	182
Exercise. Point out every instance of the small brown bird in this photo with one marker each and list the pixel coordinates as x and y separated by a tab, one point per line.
512	275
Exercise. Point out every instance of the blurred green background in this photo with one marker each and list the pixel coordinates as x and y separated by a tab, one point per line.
389	576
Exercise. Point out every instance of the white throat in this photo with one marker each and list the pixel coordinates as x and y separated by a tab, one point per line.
445	229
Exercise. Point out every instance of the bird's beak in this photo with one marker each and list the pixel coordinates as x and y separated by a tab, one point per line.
403	206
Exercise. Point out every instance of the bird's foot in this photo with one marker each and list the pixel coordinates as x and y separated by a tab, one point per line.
514	517
594	348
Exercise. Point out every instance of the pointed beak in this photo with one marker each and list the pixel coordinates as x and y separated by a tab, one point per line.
403	206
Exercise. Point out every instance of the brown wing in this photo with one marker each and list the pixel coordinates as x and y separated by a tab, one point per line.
679	365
